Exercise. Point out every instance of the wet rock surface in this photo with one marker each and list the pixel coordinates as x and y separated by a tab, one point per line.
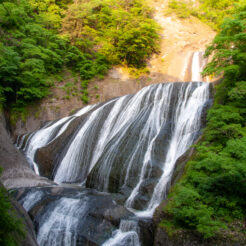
97	214
117	168
146	234
47	155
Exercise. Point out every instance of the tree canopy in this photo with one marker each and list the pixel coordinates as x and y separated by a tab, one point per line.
209	11
121	30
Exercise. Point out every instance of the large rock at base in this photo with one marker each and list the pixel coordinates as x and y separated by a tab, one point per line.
146	234
16	171
89	216
19	213
30	235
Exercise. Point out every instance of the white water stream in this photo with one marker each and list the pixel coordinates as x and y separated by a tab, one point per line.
43	136
53	231
197	66
126	235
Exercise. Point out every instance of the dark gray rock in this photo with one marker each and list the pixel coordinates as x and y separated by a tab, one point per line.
30	237
16	171
146	233
98	215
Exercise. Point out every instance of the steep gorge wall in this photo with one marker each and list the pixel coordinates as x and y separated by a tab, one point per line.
16	171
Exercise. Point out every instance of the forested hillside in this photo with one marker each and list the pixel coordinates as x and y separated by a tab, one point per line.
210	198
37	42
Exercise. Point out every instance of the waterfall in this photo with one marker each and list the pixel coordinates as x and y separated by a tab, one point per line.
65	216
30	199
126	235
20	141
127	146
198	64
67	170
45	135
187	118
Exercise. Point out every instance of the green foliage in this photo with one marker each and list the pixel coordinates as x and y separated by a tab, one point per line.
11	228
121	30
84	98
209	11
212	192
30	54
106	32
182	9
229	47
50	12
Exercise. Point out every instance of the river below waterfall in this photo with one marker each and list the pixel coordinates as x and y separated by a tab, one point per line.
117	159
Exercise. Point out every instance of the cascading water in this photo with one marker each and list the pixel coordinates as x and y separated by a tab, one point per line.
31	199
128	146
198	64
187	122
126	235
187	118
46	134
70	210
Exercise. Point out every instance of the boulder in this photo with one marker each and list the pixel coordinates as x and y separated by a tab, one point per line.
30	234
16	170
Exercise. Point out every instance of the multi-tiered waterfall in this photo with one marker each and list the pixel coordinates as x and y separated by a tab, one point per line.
127	147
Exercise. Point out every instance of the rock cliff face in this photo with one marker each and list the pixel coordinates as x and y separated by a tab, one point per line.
30	238
16	171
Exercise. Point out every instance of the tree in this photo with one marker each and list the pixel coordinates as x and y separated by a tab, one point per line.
229	49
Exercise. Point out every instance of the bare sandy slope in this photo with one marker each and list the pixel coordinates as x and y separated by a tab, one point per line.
180	38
